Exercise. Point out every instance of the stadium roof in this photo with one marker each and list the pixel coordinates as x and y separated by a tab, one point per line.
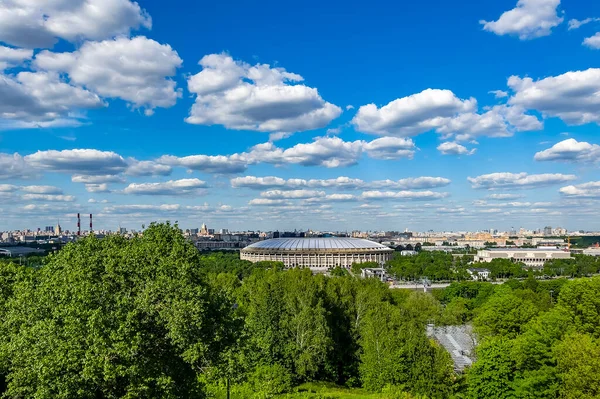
296	244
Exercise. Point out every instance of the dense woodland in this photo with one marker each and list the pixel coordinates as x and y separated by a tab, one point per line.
151	317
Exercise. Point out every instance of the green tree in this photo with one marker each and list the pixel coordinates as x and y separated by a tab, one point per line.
116	318
492	376
578	361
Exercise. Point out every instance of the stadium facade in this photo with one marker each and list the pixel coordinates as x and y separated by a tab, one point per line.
317	253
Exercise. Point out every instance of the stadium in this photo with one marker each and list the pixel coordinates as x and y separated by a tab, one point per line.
317	253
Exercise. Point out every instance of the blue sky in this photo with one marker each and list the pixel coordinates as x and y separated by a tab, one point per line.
325	115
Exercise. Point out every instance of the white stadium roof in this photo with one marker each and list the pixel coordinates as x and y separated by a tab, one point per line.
302	244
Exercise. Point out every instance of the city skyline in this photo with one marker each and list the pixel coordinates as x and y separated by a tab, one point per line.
331	117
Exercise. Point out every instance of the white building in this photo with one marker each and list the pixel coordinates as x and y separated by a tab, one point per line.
317	253
479	274
531	257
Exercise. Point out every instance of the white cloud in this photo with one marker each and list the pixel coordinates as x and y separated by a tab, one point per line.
11	57
502	197
349	107
42	99
35	24
498	93
136	70
42	190
453	148
259	98
570	150
331	152
279	136
8	188
499	121
268	202
97	188
586	190
13	166
332	198
293	194
574	96
530	19
97	179
341	183
134	209
442	111
147	168
576	24
412	115
171	187
48	197
517	180
78	161
592	41
207	163
390	148
402	195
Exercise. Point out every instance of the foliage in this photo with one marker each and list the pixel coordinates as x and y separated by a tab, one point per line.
114	318
434	265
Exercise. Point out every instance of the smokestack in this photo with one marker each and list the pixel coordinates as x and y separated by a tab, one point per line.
91	228
78	225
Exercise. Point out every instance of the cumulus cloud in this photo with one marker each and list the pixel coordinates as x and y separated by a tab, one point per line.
42	189
268	202
332	198
78	161
502	197
8	188
412	115
592	41
147	168
207	163
340	183
390	148
576	24
499	93
136	70
259	98
586	190
573	96
530	19
570	150
403	195
142	209
499	121
453	148
517	180
48	197
37	24
11	57
442	111
97	188
293	194
97	179
42	99
13	166
171	187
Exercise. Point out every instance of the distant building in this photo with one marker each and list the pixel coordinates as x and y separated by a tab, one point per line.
378	273
408	253
317	253
479	274
531	257
548	231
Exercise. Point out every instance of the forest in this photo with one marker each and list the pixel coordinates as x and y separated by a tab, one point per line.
151	317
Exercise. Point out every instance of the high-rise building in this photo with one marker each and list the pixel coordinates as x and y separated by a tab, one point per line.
548	231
